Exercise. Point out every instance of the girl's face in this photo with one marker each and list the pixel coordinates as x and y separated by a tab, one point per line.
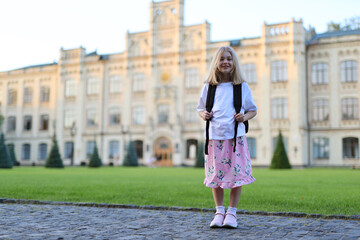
226	63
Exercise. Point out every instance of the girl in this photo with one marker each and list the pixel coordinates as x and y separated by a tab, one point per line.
225	168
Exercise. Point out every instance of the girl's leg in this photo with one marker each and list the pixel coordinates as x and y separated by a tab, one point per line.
218	194
235	196
230	219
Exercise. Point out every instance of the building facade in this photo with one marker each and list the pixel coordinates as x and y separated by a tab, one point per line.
304	84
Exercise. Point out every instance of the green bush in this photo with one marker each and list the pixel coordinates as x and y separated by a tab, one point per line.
131	158
54	159
95	160
200	157
280	159
12	155
5	160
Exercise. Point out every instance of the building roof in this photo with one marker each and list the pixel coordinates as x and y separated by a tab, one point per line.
316	37
34	66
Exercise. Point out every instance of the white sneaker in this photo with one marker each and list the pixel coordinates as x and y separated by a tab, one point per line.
230	221
217	222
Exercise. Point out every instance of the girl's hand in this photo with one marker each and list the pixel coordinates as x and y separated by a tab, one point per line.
205	115
240	117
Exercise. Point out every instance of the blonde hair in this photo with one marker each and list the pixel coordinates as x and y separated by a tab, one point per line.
214	73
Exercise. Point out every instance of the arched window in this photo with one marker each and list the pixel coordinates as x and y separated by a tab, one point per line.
319	73
114	149
26	151
321	148
350	147
42	151
279	71
252	146
348	71
139	148
191	146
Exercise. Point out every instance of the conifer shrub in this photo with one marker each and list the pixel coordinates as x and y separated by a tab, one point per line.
5	160
280	159
11	149
95	160
131	158
200	157
54	159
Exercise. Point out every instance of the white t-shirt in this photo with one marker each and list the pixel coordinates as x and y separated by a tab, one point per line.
222	123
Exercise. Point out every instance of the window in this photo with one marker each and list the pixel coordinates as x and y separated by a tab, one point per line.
138	115
321	148
92	86
279	108
249	71
68	150
114	116
139	148
139	82
44	94
279	71
191	115
252	146
12	97
42	151
28	94
349	108
348	71
115	84
320	110
70	88
90	146
163	113
69	118
350	147
114	149
191	146
319	73
285	141
11	124
27	122
25	152
91	117
44	122
192	78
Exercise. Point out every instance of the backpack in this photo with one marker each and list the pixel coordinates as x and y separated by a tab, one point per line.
237	105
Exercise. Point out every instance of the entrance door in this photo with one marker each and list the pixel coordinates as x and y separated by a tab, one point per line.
163	152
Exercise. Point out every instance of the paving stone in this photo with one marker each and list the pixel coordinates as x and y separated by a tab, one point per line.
83	221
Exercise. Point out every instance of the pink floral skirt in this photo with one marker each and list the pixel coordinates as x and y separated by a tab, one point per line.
225	168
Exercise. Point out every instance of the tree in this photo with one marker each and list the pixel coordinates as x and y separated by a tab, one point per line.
11	149
54	159
131	158
352	23
5	160
332	26
280	159
1	121
95	160
200	159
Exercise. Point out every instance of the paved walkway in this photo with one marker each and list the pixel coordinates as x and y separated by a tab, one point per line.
26	221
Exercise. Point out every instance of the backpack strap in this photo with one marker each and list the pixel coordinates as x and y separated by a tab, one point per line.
237	105
209	105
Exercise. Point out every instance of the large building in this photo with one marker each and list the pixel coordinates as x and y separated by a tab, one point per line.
304	84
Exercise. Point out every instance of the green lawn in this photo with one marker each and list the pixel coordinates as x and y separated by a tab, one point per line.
322	191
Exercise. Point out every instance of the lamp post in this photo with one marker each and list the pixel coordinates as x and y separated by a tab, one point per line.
72	133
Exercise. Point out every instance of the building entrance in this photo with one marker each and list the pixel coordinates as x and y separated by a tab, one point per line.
163	152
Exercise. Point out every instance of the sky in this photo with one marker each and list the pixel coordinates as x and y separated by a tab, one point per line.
32	32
